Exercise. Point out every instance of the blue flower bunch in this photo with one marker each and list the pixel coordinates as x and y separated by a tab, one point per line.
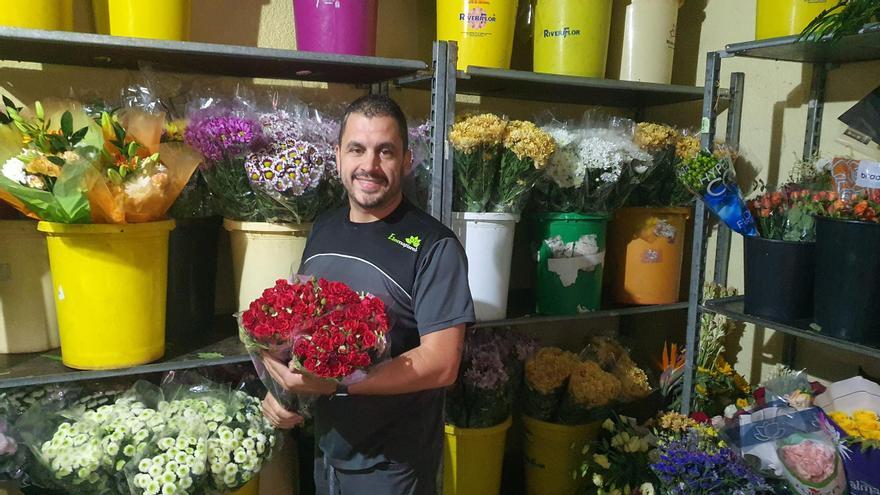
696	464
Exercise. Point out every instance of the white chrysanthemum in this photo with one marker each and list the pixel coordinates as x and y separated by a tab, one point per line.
141	480
14	170
152	488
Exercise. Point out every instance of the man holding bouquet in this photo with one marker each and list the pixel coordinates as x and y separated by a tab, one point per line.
384	434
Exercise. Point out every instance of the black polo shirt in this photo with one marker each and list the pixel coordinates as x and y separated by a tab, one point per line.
418	268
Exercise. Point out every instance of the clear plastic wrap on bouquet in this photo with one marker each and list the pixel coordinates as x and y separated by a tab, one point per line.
297	164
45	155
225	131
417	184
712	178
595	167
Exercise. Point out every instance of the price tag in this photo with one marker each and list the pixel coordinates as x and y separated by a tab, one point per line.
868	175
705	124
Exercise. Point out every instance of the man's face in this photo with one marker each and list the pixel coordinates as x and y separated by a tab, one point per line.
371	161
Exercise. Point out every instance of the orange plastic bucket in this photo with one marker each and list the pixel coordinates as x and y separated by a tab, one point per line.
645	251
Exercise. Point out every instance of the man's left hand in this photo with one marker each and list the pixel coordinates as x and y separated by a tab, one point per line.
296	382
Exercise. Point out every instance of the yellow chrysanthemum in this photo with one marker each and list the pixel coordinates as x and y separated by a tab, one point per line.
591	386
633	380
861	415
549	368
526	140
479	130
687	147
676	422
655	137
742	403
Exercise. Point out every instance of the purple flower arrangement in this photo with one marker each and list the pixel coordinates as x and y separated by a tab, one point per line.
297	167
491	374
272	167
223	136
697	464
417	184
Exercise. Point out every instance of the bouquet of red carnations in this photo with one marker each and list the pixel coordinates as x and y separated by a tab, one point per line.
318	327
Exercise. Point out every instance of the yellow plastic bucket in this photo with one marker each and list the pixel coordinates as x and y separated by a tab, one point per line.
482	28
786	17
644	256
252	487
571	37
53	15
552	455
109	283
27	308
158	19
262	253
473	458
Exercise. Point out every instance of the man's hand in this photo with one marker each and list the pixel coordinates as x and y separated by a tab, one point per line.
296	382
278	415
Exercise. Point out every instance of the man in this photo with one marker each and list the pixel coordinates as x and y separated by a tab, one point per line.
384	435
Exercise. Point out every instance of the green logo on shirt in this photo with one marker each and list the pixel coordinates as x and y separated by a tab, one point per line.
412	242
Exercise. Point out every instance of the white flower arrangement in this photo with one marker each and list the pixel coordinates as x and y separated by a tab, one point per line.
175	465
182	447
589	162
74	453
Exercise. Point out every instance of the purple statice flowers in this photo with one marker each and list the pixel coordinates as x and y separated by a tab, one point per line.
224	135
687	466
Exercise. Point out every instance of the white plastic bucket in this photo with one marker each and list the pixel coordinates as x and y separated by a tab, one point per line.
262	253
488	241
649	41
28	322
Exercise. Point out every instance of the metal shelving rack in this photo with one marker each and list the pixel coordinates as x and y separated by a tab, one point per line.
221	345
531	86
824	57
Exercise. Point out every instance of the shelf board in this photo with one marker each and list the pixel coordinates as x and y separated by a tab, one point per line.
856	48
733	307
114	52
217	348
535	86
222	346
592	315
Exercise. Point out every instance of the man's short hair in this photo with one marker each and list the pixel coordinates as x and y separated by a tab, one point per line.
377	106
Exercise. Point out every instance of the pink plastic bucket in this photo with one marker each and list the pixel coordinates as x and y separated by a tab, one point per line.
336	26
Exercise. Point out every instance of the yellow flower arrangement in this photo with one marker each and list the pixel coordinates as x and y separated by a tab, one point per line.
687	147
862	424
590	386
526	140
676	422
655	137
548	369
479	130
633	380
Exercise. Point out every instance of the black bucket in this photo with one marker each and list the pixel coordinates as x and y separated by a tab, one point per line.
192	273
779	279
848	280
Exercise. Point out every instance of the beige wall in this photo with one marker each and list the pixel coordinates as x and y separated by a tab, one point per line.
773	119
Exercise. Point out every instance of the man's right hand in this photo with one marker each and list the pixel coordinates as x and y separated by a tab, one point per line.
278	415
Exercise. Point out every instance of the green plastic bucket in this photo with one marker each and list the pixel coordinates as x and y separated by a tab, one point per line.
571	259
